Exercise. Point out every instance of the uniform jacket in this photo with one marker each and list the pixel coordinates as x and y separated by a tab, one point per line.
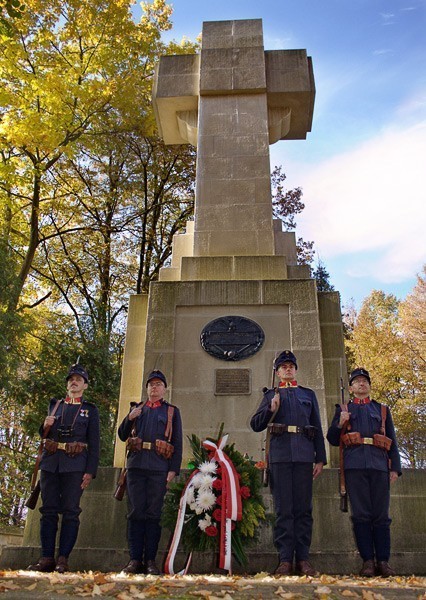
299	406
367	419
150	426
85	417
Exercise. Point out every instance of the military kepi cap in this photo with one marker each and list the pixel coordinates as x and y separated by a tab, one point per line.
156	375
285	356
359	372
78	370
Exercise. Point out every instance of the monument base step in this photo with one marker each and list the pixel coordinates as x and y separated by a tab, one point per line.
113	560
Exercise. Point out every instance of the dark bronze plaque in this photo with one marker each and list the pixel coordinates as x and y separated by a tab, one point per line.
232	338
232	382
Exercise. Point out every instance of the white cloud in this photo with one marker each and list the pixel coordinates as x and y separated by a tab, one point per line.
371	200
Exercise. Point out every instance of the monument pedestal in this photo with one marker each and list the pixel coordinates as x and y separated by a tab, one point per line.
102	545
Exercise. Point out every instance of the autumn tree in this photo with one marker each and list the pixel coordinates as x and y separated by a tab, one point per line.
378	338
286	204
411	414
67	71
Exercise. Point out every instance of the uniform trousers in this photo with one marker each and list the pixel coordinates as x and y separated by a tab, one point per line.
369	496
60	494
146	490
291	486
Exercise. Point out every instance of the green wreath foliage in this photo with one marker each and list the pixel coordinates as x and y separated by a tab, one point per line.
253	509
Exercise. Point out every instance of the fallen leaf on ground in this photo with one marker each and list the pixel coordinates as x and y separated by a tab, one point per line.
322	592
368	595
261	575
107	587
287	595
349	593
100	578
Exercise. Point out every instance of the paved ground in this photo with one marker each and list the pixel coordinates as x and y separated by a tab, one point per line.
25	585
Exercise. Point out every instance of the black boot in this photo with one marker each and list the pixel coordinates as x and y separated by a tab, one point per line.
45	564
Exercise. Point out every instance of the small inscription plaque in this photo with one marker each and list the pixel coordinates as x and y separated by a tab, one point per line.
232	382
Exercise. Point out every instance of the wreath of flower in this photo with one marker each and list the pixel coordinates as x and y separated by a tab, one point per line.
203	511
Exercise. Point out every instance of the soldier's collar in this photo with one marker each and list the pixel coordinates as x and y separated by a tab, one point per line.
285	384
362	400
69	400
155	404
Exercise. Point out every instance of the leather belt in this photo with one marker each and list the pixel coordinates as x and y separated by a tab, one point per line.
69	447
278	428
136	444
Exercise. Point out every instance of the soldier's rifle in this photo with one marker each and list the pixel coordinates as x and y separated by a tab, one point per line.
266	470
342	483
35	483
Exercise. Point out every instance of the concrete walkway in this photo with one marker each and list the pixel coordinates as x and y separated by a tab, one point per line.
25	585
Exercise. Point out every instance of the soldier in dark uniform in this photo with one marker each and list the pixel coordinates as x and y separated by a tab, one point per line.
296	457
153	430
369	469
68	465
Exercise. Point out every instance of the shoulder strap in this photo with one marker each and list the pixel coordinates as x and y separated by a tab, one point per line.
383	425
169	426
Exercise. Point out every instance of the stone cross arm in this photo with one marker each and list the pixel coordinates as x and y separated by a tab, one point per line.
232	62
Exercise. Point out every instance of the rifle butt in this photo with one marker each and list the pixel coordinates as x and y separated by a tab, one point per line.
31	503
121	486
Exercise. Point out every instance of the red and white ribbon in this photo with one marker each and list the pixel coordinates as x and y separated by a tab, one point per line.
231	509
231	499
169	564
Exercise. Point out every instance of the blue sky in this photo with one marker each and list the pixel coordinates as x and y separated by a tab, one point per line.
362	169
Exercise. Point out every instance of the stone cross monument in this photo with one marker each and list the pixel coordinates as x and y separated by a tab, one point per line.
233	294
231	102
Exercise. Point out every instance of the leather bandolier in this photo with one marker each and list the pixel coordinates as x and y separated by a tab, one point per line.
348	438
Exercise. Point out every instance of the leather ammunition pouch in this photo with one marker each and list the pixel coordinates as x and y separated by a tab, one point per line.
71	449
354	439
164	449
136	444
382	441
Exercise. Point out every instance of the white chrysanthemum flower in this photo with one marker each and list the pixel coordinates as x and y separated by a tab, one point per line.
190	497
208	467
192	505
204	523
206	500
196	480
206	483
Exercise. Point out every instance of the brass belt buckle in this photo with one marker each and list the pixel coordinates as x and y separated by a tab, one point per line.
61	445
146	445
369	441
292	428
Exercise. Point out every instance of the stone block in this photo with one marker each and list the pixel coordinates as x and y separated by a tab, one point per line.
233	34
230	70
301	294
175	89
290	84
329	307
